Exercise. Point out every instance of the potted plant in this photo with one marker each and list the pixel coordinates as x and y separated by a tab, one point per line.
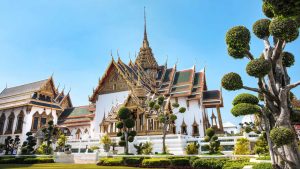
106	141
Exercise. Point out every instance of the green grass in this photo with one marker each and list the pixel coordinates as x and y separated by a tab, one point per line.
60	166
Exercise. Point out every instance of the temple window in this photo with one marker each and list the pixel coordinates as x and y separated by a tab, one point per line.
78	132
183	130
10	124
2	121
114	86
176	99
20	122
195	127
35	123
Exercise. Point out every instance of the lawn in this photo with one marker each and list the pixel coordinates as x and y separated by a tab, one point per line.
60	166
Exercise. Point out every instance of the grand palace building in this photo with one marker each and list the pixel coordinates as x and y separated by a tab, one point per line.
29	107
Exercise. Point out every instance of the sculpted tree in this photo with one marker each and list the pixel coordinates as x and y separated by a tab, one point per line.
125	125
214	144
11	144
28	145
51	133
270	70
165	115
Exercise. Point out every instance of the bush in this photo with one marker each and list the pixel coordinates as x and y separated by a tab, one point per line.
238	37
132	161
110	162
233	165
244	109
192	148
193	159
156	162
242	147
232	81
262	166
263	158
288	59
180	162
258	67
245	98
281	136
284	28
209	163
25	160
261	28
123	113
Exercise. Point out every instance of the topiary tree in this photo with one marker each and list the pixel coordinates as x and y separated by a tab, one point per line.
160	107
28	146
214	144
51	132
192	148
11	144
261	145
139	148
61	141
270	70
125	125
106	141
242	147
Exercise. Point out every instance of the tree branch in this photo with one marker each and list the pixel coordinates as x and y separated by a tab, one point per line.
252	89
277	50
291	86
249	55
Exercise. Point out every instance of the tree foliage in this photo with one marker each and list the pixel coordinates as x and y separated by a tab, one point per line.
11	144
232	81
282	136
125	125
214	144
245	98
242	147
28	145
165	115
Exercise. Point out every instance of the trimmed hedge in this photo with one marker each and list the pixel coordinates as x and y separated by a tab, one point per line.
262	166
180	162
132	161
110	162
156	162
25	160
209	163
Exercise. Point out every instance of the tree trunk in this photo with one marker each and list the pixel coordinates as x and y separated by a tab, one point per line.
164	139
126	142
267	128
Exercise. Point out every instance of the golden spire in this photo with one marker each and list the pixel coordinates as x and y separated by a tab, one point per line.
145	40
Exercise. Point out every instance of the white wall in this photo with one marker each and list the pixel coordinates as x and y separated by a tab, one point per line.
103	105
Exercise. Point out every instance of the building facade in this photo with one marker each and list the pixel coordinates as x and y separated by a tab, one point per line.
30	107
131	85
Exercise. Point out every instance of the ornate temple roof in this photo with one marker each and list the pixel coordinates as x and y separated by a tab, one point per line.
26	95
76	116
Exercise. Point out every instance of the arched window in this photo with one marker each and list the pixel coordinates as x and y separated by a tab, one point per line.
43	119
11	119
2	121
35	121
78	134
20	121
195	127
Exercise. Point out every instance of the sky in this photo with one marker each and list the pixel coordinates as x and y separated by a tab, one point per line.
73	39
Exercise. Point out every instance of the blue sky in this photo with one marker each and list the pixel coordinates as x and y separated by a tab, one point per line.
73	39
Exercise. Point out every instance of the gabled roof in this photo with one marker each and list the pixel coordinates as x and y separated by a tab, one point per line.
26	88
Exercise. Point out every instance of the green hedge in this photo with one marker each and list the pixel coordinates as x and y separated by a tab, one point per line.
111	161
25	160
209	163
180	162
156	162
132	161
262	166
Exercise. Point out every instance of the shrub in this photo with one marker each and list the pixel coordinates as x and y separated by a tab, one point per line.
37	160
180	162
192	148
209	163
242	147
43	149
232	81
234	165
238	37
193	159
262	166
132	161
288	59
245	98
25	160
147	148
261	28
244	109
258	67
284	28
123	113
281	136
156	162
110	162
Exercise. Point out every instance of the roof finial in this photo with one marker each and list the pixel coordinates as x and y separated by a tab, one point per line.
145	41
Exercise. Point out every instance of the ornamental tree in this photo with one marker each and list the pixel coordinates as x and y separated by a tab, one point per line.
270	71
51	133
242	147
214	144
28	145
125	125
11	144
165	114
